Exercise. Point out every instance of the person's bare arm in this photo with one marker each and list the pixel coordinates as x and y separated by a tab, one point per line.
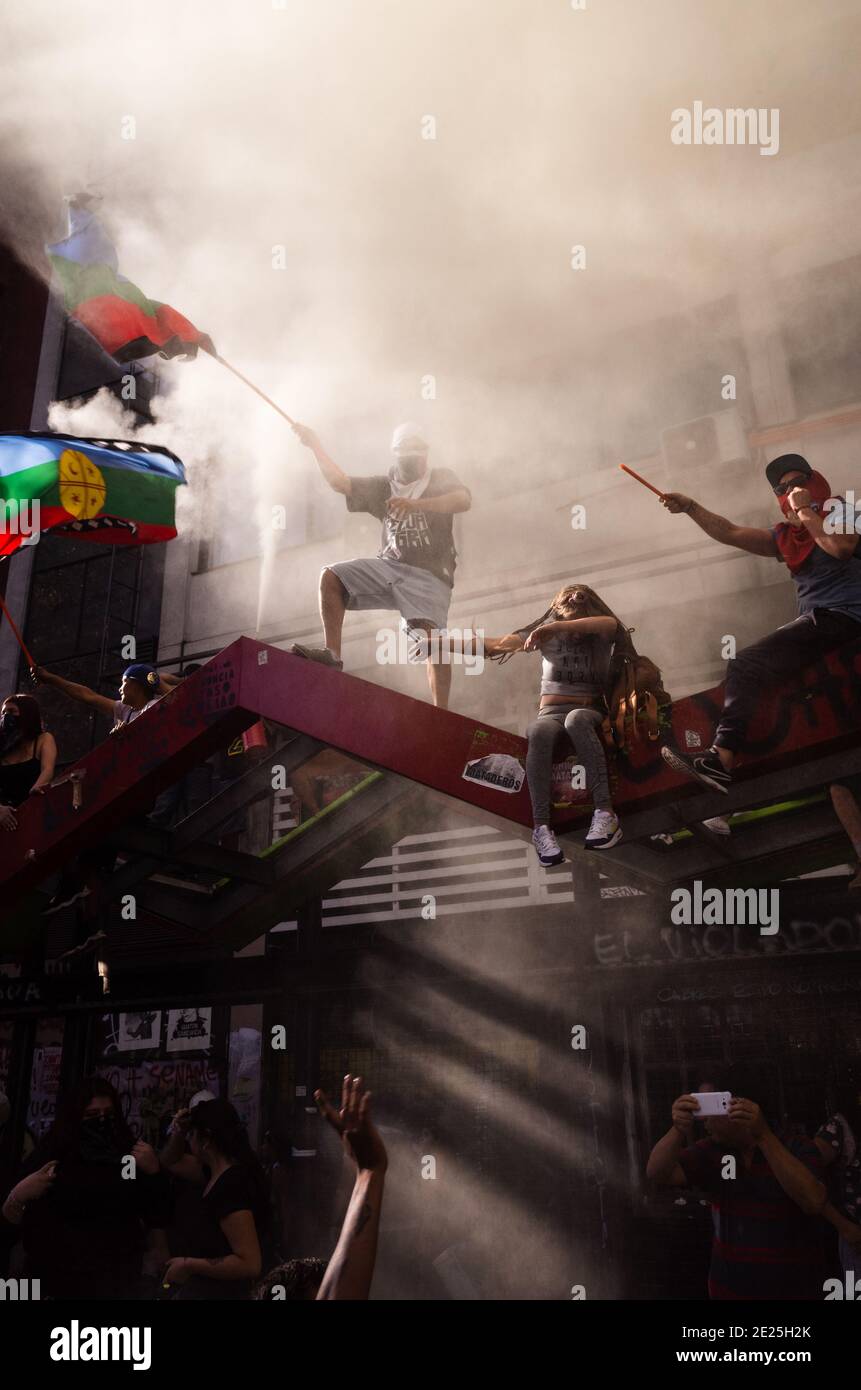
755	539
663	1167
829	1155
29	1189
797	1181
337	479
351	1268
82	693
47	763
494	646
583	627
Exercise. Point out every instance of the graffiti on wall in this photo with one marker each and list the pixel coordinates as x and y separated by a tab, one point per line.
151	1091
708	943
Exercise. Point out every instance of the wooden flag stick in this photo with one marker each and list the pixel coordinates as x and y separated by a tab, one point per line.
255	389
625	469
18	638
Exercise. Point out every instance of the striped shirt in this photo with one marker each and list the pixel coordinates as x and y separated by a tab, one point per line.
764	1246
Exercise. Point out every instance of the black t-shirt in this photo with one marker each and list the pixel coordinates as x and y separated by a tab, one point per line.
423	539
232	1191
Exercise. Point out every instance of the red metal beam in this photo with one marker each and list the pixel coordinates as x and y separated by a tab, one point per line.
121	776
817	715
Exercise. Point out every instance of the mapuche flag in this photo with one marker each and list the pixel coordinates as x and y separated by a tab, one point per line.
118	315
90	489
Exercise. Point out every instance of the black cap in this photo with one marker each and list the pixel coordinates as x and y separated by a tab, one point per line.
787	463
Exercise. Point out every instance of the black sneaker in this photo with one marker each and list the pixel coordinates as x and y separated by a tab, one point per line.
321	654
706	768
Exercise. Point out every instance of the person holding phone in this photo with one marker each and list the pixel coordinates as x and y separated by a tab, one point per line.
766	1197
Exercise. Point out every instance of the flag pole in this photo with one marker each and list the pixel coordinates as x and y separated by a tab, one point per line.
255	389
18	638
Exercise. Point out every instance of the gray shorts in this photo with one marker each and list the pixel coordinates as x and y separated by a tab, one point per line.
388	584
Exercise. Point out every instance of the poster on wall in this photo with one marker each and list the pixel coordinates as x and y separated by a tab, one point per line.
138	1031
44	1087
189	1030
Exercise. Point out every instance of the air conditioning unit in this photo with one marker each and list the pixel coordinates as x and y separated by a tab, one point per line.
712	439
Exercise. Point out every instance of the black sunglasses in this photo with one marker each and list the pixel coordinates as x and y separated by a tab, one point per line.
780	489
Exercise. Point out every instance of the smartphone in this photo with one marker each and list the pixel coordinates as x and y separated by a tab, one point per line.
712	1102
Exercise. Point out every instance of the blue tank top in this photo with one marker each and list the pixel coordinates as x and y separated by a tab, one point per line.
826	582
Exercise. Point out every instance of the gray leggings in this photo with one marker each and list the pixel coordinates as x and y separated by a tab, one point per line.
581	724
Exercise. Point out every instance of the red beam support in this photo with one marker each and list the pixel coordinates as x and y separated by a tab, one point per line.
817	715
122	775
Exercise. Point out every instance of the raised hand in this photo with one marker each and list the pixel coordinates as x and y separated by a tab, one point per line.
361	1140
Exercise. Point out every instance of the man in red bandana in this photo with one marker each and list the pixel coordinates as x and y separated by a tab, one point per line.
819	545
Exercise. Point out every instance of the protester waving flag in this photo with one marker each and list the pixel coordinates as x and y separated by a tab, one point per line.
103	490
118	315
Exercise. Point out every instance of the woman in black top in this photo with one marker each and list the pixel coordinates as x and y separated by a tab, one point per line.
85	1223
232	1226
28	755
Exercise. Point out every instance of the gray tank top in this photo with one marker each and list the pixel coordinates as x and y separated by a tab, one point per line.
575	666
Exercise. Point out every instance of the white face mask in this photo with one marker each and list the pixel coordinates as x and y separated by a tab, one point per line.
410	476
410	468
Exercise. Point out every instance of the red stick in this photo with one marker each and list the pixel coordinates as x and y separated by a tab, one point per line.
18	638
625	469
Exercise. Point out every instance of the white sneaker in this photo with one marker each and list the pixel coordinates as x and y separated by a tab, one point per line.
718	825
604	832
546	846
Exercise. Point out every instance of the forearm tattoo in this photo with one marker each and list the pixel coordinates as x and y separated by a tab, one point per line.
364	1217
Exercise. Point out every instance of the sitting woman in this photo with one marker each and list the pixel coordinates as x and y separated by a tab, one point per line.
576	637
28	755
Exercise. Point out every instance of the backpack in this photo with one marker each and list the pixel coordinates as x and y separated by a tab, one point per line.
637	703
